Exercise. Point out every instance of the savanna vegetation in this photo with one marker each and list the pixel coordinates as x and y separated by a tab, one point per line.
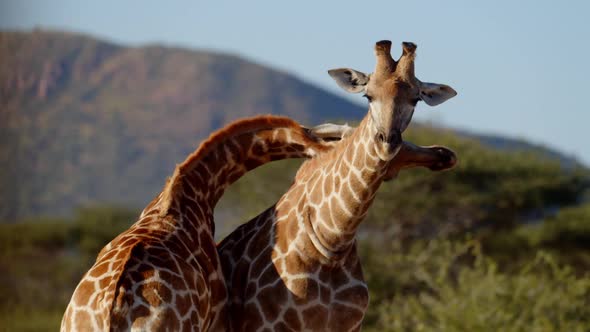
500	243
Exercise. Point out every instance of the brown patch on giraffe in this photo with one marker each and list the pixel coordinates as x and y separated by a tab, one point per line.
138	232
188	241
174	280
291	318
258	149
239	282
282	327
282	242
357	272
298	289
257	247
337	210
268	276
324	216
83	321
328	184
183	303
314	318
339	279
99	269
208	244
355	185
270	299
85	289
188	189
138	312
313	290
157	256
343	169
315	198
252	318
103	282
353	316
200	284
169	320
187	326
326	237
292	230
198	177
356	294
178	249
119	322
106	256
250	289
261	261
235	147
325	294
294	263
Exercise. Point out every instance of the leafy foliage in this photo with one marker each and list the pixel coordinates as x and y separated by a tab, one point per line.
429	285
45	259
445	286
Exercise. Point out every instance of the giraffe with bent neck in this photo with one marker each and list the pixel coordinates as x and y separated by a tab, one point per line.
295	267
163	273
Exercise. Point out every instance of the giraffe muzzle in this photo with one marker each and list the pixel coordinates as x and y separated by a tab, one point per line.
391	143
394	138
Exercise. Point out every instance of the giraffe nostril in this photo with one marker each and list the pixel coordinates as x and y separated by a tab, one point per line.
381	137
395	137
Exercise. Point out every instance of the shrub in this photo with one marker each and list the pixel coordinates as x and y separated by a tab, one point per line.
445	286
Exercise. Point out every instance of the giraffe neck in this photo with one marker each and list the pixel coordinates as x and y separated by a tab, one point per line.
340	186
200	181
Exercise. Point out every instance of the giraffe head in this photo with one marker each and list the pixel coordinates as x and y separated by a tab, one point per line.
393	92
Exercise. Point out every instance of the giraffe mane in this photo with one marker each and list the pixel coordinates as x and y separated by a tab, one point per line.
236	128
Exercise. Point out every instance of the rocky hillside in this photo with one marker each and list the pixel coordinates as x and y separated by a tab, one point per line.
85	121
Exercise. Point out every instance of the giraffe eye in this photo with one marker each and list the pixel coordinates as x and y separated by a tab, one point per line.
369	98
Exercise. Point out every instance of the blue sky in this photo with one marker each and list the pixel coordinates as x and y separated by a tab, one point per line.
521	68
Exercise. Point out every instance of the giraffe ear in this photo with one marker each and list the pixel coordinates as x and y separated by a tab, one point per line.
434	94
349	79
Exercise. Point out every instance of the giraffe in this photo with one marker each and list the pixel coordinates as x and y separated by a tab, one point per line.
163	273
295	266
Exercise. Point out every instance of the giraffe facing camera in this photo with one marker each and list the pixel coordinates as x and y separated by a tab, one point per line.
295	266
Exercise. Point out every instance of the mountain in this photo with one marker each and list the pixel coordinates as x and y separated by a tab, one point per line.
84	121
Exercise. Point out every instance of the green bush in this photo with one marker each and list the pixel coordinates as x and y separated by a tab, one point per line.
446	286
566	236
45	260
